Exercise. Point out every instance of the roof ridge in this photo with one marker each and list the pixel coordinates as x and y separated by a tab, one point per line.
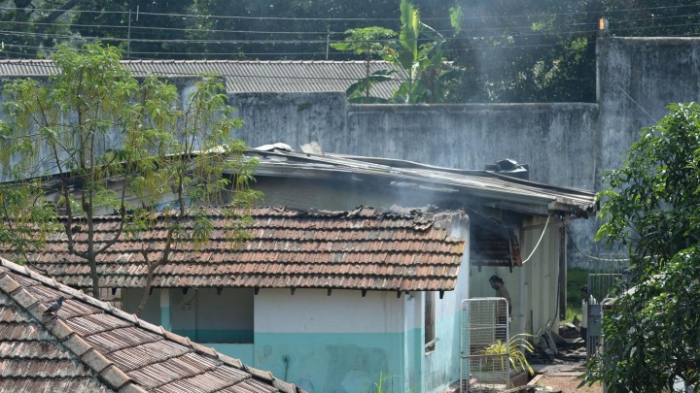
212	61
105	370
361	211
101	368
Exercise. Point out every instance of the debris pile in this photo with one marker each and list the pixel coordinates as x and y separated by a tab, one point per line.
558	348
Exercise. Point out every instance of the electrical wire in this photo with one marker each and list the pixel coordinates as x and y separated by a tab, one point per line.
135	26
586	255
321	40
325	19
544	230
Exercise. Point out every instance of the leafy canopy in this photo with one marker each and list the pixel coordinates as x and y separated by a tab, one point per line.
95	140
419	51
652	208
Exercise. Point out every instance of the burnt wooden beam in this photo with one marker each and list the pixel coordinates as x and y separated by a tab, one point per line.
562	272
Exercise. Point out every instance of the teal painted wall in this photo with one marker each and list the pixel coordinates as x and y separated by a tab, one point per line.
244	352
442	365
217	336
334	362
414	357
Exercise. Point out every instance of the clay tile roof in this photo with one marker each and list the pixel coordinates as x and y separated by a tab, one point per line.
360	249
88	347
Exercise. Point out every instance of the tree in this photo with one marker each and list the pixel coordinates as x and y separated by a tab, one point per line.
422	58
370	42
652	336
127	147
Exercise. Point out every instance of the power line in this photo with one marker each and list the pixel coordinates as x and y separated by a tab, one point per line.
325	32
505	29
320	40
325	19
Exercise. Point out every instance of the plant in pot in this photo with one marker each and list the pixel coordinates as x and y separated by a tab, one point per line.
515	349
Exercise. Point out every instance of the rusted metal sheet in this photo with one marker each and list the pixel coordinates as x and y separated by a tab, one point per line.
495	249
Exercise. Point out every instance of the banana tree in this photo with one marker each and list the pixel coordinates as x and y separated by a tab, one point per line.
427	72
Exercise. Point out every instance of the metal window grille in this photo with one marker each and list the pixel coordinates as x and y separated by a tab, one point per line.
600	286
484	344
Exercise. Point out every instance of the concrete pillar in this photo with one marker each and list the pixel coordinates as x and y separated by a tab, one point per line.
165	308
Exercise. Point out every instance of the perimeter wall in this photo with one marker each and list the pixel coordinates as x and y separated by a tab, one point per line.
568	144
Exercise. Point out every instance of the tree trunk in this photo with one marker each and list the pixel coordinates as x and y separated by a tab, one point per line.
22	5
367	83
95	279
146	291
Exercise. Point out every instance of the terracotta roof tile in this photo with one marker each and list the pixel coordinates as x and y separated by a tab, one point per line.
79	384
378	250
92	347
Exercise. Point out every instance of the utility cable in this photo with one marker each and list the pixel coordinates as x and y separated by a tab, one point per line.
544	230
571	238
281	18
320	32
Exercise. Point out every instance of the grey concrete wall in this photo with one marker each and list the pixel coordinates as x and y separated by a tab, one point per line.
559	141
294	119
637	79
556	139
569	144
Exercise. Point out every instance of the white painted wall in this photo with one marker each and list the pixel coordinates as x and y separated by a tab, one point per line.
541	275
441	367
312	311
533	287
337	343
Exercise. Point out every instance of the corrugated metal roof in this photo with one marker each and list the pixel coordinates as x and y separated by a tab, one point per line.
89	346
493	189
362	249
244	76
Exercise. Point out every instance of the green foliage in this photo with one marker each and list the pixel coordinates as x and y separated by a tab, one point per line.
515	349
128	147
359	92
652	208
379	386
575	279
428	74
420	52
368	41
511	51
